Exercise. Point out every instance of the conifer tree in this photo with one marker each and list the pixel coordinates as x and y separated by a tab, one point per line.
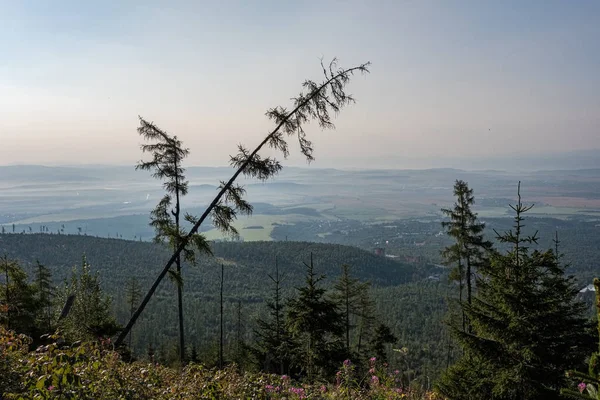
588	383
366	320
316	327
273	343
528	327
469	249
168	154
241	348
383	335
45	292
346	293
90	315
133	293
317	102
194	355
18	305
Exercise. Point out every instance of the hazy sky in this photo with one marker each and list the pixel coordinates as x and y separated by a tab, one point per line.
459	78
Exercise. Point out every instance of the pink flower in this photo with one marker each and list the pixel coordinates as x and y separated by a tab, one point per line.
396	372
581	387
51	388
373	359
374	380
372	371
323	388
347	362
298	391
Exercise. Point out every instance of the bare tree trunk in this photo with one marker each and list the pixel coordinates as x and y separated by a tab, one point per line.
221	323
178	264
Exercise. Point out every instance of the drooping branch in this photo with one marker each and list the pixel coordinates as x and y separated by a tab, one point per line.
317	102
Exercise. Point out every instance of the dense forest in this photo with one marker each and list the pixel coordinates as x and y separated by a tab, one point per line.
247	266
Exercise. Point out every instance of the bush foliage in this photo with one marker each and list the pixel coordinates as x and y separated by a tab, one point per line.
94	370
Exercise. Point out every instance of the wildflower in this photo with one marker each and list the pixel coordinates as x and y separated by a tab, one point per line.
51	388
396	372
581	387
298	391
347	362
269	388
372	359
374	380
323	388
372	371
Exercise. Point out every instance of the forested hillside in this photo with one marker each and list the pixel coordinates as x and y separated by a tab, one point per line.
413	311
405	299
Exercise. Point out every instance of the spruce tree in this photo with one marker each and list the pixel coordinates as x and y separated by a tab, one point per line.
90	315
366	321
469	249
133	293
168	154
240	355
44	291
588	384
18	305
316	328
527	326
383	335
346	293
272	347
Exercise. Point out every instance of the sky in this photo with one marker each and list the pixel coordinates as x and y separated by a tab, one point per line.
449	79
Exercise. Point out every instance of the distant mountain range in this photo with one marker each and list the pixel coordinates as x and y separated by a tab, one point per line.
551	162
579	159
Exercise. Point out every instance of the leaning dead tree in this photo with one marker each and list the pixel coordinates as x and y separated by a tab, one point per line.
317	102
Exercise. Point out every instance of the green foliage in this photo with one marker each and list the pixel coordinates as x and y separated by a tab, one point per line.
90	316
18	304
589	382
315	326
272	341
44	292
469	248
382	336
133	293
349	293
94	371
413	311
528	327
